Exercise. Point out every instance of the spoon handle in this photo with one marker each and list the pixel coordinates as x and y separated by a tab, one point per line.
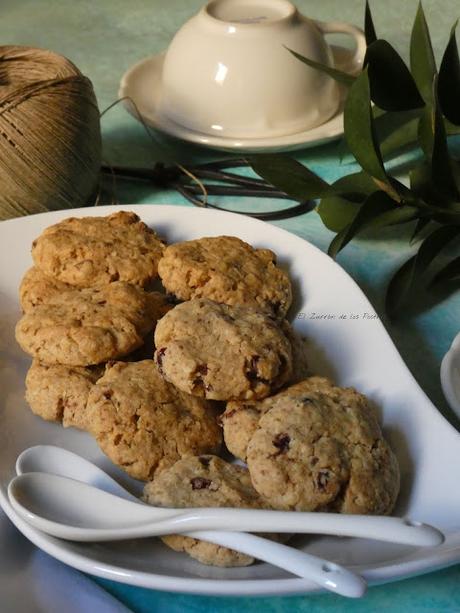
390	529
328	575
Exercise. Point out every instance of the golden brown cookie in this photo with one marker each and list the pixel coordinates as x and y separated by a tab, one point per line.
239	422
59	393
227	270
241	417
93	251
204	481
82	327
145	424
36	288
220	352
323	449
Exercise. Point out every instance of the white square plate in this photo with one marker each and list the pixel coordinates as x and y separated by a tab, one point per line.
346	341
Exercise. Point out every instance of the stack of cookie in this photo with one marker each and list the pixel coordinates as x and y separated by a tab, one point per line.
86	304
225	347
308	444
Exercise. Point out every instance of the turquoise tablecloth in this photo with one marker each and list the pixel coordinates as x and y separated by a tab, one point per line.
104	38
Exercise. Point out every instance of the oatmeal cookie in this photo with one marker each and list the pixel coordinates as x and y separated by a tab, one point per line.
93	251
36	288
227	270
239	422
59	393
144	424
204	481
323	449
82	327
221	352
241	417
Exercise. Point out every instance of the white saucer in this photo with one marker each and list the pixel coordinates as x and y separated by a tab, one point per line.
142	84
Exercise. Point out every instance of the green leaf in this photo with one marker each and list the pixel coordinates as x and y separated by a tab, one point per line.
394	141
446	216
433	138
389	123
359	128
392	86
357	184
378	210
347	194
369	29
338	208
288	175
449	80
420	182
292	177
422	62
449	273
429	199
337	212
361	136
395	131
451	129
411	271
398	215
419	228
374	205
425	131
400	139
338	75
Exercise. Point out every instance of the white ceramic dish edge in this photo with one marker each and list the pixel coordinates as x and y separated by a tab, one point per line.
450	375
413	564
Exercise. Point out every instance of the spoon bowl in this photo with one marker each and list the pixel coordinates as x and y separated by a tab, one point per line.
59	461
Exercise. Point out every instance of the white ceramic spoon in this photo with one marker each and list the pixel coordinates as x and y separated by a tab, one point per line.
70	516
57	461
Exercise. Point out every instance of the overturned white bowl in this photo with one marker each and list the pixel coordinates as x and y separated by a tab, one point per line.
450	375
228	70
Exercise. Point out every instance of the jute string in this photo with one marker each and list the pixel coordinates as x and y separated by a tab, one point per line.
50	141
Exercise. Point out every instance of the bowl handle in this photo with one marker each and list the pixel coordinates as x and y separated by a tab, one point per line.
351	62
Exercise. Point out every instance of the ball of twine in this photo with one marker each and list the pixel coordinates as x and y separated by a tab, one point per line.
50	140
